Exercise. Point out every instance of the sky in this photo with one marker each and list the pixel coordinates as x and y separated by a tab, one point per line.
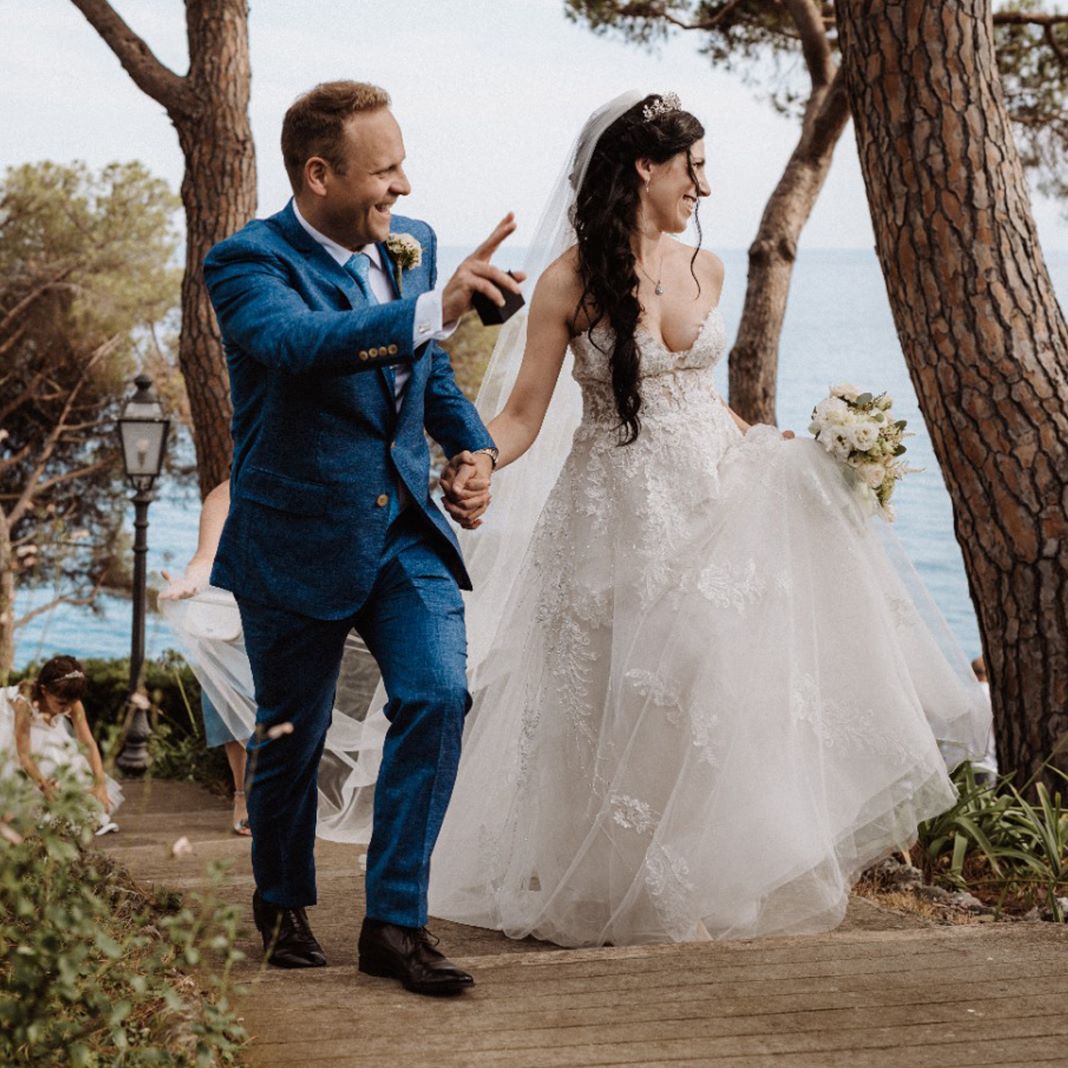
489	94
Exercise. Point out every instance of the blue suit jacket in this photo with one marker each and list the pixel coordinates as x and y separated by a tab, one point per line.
319	449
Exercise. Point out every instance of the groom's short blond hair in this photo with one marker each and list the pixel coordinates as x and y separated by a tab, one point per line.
315	123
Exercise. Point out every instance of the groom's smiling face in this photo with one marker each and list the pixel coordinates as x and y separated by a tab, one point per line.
354	204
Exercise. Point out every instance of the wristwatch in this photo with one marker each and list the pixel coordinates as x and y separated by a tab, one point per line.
491	452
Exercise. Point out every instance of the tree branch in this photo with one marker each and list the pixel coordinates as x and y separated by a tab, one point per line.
34	295
32	488
1055	46
66	598
138	60
1028	18
653	10
815	46
80	472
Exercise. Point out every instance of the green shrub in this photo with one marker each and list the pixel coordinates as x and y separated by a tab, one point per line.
1005	849
95	971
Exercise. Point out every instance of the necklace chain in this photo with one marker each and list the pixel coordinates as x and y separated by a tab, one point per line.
658	289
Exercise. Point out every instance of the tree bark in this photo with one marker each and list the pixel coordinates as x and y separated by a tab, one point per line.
209	109
754	359
7	600
983	336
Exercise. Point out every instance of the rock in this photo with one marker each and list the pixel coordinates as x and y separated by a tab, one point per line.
894	875
1050	916
961	899
934	893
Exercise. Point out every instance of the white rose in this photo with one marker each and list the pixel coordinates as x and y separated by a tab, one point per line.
865	436
833	409
841	445
872	473
846	390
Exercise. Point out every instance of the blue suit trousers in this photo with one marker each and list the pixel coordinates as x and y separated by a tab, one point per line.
413	624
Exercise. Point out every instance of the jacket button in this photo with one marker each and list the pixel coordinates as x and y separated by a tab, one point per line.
363	354
382	500
372	353
393	350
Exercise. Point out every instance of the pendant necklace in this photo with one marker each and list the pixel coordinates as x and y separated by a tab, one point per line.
658	289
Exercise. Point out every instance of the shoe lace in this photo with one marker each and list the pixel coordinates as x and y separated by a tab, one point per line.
299	920
425	936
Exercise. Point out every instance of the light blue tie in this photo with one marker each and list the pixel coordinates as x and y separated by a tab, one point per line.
359	266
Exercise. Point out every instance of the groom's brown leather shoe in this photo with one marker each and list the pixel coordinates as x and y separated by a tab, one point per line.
409	954
287	938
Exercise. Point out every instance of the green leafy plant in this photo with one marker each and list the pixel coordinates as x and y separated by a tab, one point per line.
1004	848
95	971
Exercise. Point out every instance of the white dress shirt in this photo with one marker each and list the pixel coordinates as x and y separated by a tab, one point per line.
427	325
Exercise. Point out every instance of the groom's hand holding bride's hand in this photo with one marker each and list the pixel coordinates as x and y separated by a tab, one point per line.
466	483
477	275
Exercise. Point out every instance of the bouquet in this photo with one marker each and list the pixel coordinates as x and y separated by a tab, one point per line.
858	430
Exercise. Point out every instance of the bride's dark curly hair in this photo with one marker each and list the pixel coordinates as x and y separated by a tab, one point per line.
605	216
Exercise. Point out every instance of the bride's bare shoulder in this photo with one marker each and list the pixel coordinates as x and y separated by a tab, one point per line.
559	289
707	262
561	278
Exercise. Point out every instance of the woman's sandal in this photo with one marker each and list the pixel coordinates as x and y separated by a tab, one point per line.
241	826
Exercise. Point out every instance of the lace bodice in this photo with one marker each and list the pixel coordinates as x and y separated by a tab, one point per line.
670	380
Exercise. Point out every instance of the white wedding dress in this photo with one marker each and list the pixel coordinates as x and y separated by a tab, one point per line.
711	700
52	744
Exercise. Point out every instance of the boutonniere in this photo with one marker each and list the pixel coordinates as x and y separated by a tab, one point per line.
406	253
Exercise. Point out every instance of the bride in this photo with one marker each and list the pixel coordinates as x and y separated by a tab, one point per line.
704	700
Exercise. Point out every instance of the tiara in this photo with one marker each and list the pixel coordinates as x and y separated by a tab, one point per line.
661	106
70	675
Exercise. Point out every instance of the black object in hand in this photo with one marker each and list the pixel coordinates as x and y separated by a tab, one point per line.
493	314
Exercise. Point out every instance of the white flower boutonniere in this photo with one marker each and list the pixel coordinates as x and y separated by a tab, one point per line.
406	253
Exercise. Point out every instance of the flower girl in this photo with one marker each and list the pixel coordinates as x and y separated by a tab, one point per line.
36	722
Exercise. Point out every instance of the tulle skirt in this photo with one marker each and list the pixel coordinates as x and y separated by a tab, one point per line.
715	697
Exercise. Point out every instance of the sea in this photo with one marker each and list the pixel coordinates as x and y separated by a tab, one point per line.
838	328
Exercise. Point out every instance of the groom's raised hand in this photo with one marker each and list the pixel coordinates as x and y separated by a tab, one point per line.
477	275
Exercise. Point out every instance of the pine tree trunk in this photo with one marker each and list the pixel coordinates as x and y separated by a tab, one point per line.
754	359
984	338
209	109
219	196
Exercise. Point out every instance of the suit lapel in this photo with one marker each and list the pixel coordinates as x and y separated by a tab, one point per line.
387	374
334	274
391	268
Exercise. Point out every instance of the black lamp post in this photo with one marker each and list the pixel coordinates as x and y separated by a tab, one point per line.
143	431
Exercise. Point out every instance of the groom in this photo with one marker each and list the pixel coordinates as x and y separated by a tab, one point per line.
329	315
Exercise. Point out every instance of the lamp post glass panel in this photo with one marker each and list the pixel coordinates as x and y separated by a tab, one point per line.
143	431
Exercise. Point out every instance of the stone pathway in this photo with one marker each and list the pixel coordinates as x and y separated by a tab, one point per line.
883	990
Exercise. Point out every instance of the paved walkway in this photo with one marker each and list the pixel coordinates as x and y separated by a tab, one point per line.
883	990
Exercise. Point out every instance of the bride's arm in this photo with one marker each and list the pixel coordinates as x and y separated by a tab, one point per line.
197	572
516	428
466	479
739	422
745	427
